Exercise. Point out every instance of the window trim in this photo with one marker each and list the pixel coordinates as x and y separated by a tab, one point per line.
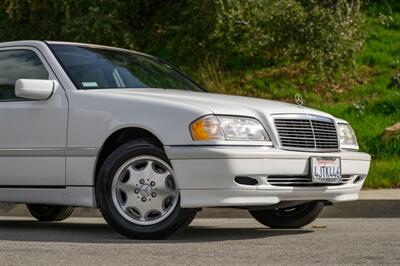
39	54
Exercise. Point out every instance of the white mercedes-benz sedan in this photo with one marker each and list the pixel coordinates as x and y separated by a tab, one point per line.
125	132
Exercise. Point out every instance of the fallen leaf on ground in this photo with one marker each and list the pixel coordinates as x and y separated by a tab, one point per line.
319	226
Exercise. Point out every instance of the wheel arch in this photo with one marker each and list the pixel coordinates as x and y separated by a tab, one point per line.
119	137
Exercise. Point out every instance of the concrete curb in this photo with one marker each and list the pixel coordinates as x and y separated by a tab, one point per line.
355	209
382	203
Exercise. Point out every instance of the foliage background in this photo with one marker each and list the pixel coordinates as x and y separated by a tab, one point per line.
342	55
322	35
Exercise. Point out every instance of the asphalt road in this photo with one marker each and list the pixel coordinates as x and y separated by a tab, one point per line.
207	242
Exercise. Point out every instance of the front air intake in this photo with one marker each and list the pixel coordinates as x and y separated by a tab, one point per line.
301	181
246	180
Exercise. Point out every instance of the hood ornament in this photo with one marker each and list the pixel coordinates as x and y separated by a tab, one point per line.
299	99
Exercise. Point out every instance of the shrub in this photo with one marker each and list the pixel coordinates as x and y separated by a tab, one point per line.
324	35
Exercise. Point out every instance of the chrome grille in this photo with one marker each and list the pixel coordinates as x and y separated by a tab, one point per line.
307	134
299	181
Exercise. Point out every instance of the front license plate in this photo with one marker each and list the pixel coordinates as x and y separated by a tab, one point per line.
326	170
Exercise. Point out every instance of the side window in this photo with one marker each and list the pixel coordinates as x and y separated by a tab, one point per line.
18	64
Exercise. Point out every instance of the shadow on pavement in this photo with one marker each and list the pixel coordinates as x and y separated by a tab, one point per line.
17	230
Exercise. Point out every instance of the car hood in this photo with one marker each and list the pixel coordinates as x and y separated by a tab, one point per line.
218	103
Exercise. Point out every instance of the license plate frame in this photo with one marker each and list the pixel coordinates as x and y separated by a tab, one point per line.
326	170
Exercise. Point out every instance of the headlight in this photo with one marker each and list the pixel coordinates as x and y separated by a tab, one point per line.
229	128
347	136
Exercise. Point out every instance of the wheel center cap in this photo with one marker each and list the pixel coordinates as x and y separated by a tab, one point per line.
145	190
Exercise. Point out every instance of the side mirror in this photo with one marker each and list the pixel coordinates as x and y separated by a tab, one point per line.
35	89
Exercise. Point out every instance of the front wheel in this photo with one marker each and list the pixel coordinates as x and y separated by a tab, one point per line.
290	217
49	213
137	193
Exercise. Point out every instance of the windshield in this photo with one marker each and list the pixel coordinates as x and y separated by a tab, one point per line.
102	68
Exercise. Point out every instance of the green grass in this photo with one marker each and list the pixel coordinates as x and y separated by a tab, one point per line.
384	174
366	97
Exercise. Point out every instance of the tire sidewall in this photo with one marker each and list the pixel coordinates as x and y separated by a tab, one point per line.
104	193
271	219
53	214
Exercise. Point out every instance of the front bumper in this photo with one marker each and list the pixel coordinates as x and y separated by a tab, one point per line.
205	175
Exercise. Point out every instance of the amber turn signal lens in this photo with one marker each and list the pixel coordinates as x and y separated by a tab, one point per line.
206	128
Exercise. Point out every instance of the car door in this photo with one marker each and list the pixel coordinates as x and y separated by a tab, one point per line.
32	132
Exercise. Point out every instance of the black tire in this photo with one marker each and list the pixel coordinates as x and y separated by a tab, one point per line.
177	220
291	217
49	213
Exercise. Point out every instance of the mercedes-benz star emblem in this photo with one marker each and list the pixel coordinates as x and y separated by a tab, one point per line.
298	99
145	190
